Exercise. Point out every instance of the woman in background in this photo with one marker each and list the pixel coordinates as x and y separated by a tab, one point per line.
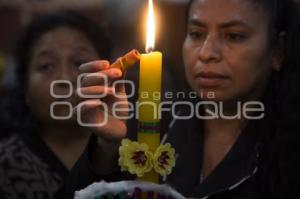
37	156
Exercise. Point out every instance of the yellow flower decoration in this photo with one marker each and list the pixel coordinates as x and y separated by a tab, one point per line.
135	158
138	159
164	159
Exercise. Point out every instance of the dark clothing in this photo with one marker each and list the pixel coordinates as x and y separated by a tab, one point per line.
233	178
83	175
28	168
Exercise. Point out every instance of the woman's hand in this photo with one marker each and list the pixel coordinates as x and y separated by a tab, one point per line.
100	113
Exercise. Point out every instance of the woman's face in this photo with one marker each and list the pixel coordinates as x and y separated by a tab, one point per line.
56	56
227	52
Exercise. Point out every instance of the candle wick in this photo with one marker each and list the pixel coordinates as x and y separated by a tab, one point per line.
149	49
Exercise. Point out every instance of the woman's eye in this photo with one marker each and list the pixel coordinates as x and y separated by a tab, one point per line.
45	67
196	34
236	37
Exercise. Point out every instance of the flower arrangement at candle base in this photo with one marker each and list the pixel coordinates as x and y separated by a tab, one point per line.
137	159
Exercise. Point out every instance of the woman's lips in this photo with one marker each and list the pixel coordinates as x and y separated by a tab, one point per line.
210	79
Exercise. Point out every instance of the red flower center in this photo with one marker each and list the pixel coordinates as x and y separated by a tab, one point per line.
163	159
139	157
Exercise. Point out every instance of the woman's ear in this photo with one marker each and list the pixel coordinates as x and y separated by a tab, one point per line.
278	54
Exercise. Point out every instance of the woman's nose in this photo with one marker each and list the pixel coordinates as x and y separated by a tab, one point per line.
211	50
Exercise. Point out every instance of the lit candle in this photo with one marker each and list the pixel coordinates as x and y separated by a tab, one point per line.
149	87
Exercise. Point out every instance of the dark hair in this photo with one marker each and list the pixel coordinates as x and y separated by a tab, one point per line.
279	162
17	116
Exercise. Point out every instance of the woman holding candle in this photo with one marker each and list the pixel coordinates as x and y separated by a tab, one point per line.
241	50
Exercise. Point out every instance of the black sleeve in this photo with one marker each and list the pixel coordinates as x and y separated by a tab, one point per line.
83	175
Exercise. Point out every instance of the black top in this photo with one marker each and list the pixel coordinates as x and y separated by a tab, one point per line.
233	178
83	174
29	169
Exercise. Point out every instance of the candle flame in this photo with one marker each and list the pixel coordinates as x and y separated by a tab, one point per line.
150	38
